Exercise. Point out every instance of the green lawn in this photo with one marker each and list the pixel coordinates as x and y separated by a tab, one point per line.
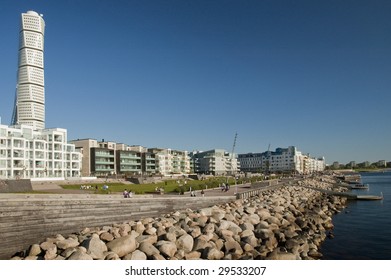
171	186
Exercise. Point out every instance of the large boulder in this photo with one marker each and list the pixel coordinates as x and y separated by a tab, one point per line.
95	247
137	255
80	255
148	249
122	246
185	242
34	250
167	248
67	243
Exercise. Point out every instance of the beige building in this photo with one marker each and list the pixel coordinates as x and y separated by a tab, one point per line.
169	162
216	162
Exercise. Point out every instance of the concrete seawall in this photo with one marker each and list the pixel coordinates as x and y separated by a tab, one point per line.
276	212
281	222
15	186
28	219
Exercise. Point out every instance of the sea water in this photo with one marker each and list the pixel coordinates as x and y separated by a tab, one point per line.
362	231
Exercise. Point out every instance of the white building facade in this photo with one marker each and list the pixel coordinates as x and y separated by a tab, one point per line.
171	162
281	160
216	162
26	153
29	108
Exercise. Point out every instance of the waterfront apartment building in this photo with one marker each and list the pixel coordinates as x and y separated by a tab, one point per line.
99	158
170	162
250	162
104	158
281	160
29	106
215	162
27	153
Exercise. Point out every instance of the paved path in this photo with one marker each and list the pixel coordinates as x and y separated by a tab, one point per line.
217	191
53	188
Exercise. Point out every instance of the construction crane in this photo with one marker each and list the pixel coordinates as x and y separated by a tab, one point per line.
232	152
230	171
233	146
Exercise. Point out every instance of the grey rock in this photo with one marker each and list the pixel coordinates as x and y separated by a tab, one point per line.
185	242
35	250
138	255
148	249
212	254
67	243
80	255
147	238
122	246
167	248
95	247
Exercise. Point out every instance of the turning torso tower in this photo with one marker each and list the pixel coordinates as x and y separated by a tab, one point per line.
30	91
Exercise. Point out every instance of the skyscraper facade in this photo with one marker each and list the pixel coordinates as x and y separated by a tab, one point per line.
29	106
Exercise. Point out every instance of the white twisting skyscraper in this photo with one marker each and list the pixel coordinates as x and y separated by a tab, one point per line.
28	150
29	106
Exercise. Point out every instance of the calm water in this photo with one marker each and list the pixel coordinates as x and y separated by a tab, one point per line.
363	229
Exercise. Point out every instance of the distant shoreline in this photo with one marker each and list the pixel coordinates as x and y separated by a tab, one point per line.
374	170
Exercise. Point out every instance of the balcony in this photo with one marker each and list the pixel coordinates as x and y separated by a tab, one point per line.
104	154
58	157
130	169
104	168
129	156
40	155
57	138
104	161
75	157
39	146
18	154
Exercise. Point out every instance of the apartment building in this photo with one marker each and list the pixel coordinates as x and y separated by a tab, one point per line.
105	158
251	162
26	153
281	160
216	162
170	161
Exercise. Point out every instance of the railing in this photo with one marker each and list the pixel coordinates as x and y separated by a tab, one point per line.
248	194
259	189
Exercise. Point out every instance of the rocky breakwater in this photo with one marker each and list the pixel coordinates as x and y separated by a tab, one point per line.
287	223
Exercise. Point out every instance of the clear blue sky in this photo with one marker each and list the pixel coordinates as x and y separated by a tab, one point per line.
189	74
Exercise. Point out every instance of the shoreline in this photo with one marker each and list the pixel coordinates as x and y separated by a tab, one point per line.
289	222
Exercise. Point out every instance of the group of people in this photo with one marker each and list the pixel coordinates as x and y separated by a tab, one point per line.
85	187
127	194
159	190
193	193
224	187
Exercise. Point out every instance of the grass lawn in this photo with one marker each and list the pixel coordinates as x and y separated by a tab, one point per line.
171	186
